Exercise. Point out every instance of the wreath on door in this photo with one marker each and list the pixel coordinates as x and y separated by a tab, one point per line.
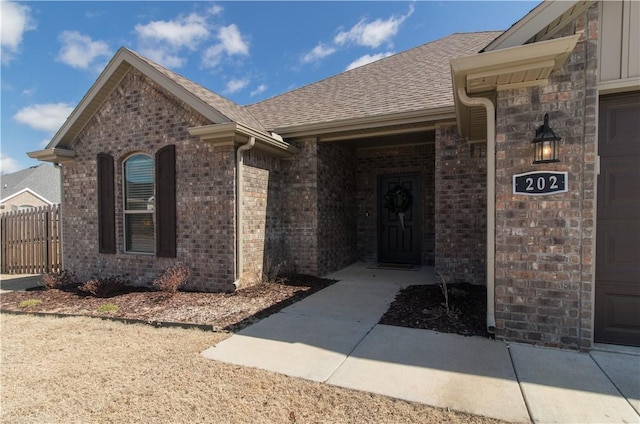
398	200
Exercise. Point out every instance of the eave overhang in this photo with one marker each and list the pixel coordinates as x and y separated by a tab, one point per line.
540	24
514	67
235	133
370	126
54	155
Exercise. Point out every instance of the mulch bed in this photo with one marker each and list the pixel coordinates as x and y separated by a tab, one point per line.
221	311
420	306
424	307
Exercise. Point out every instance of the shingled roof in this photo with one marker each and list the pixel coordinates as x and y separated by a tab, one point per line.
416	79
226	107
44	180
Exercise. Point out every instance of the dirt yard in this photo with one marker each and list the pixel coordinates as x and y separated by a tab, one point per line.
87	370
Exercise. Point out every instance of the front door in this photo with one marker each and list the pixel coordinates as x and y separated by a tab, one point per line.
617	297
399	224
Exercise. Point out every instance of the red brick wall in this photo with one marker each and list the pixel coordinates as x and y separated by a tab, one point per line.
139	116
544	245
393	160
460	208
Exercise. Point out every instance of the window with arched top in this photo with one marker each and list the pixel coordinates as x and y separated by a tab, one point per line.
139	204
149	206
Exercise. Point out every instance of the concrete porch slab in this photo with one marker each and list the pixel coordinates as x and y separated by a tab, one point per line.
468	374
295	345
624	372
562	386
360	271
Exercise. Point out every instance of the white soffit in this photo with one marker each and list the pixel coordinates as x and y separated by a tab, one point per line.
515	67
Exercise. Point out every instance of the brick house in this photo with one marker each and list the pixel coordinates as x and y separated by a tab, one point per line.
410	159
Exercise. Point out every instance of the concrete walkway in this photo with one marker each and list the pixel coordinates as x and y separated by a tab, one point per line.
333	337
22	282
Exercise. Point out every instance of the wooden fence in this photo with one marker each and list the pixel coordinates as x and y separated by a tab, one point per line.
31	241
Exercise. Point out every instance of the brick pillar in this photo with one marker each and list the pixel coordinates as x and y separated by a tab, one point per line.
544	244
460	211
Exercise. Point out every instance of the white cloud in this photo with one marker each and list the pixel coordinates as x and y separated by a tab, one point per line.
259	90
47	117
231	42
8	165
367	58
372	34
164	57
215	9
318	52
162	41
15	20
235	85
184	31
80	51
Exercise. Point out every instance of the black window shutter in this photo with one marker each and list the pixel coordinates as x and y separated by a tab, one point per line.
166	202
106	205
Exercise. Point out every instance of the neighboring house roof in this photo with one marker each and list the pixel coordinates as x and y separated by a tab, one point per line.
416	79
42	180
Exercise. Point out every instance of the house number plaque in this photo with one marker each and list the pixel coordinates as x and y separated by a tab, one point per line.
540	183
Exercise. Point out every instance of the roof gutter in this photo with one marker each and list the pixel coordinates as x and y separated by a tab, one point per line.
235	132
55	155
367	122
491	199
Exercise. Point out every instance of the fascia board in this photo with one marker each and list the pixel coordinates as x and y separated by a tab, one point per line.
234	131
557	49
532	23
55	155
369	122
114	73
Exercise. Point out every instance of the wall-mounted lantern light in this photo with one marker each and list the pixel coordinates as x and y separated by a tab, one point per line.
545	144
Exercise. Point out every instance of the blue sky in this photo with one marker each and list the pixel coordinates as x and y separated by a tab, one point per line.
52	52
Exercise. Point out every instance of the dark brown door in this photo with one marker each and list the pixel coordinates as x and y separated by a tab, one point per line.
399	231
617	308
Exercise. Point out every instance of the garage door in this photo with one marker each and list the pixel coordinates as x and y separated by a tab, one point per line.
617	297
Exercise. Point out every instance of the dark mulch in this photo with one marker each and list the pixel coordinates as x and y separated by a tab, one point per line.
415	307
220	311
424	307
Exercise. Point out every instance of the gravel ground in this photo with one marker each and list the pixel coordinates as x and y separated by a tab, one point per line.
87	370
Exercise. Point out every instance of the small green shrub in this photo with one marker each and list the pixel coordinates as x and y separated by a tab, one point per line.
172	279
29	303
104	287
108	307
58	279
